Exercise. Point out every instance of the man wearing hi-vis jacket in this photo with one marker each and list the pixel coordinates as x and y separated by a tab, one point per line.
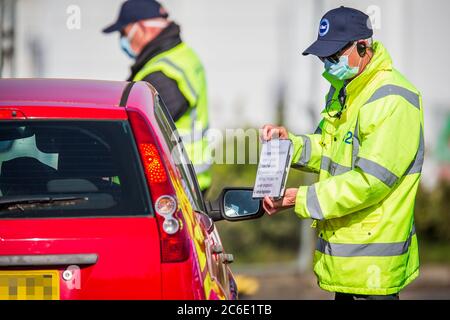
174	69
368	150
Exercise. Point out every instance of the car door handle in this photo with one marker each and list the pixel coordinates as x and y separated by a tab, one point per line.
226	258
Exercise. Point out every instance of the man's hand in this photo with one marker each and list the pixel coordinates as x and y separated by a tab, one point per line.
270	131
273	206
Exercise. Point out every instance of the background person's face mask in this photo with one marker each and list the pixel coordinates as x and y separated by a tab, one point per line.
341	70
125	43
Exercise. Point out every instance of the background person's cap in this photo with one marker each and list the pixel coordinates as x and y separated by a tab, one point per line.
136	10
337	28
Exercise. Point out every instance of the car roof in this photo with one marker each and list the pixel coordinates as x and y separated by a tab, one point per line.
14	92
66	98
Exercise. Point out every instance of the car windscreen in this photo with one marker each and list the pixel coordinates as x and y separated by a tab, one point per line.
70	169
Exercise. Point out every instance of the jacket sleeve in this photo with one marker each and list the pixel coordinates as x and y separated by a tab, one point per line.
307	150
168	89
390	131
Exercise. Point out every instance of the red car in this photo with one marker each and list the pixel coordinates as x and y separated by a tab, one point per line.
98	200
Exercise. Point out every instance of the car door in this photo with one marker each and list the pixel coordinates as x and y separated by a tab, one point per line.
212	258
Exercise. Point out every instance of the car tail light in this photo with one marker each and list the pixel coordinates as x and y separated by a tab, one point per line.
173	233
153	166
165	205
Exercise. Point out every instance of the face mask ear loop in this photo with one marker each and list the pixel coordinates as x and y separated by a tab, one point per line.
360	58
132	32
354	46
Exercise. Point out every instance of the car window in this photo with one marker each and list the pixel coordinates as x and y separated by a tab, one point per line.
189	181
95	162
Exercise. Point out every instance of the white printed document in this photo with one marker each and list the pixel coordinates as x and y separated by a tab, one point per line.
273	168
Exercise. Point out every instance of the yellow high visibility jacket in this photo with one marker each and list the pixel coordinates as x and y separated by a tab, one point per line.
369	162
181	64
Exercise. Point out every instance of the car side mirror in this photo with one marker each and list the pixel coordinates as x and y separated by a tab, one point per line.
235	204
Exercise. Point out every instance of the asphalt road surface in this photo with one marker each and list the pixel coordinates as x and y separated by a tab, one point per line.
285	282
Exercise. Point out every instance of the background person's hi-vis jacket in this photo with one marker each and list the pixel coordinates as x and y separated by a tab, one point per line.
369	161
181	64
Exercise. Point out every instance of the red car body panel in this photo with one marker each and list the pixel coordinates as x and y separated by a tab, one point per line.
129	251
122	259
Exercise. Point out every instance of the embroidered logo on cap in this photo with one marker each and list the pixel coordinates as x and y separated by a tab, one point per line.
324	27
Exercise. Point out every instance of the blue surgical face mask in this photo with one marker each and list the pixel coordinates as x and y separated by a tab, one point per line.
126	47
125	42
341	70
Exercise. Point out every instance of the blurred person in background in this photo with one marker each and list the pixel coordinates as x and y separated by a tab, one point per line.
368	150
172	67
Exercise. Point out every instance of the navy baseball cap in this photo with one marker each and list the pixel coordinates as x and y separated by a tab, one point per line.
136	10
337	28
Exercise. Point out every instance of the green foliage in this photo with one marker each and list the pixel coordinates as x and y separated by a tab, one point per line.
434	251
432	213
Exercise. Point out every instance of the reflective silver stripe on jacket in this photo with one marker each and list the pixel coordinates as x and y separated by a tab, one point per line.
391	89
417	163
332	167
181	71
366	249
312	203
305	157
335	168
378	171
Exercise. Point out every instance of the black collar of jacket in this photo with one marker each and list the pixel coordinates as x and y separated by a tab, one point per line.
167	39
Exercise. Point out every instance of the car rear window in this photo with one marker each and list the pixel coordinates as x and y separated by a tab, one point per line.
70	169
